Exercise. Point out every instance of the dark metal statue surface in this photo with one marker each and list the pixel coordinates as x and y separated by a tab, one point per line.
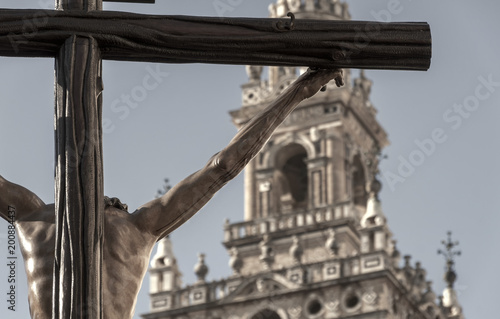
129	238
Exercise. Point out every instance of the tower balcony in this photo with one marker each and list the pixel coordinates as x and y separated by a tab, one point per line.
298	221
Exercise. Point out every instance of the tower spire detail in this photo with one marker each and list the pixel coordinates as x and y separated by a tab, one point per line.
449	299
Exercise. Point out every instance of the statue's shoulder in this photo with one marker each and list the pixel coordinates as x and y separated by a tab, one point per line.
45	213
116	216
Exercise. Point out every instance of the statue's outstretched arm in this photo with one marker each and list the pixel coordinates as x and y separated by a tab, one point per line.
15	198
161	216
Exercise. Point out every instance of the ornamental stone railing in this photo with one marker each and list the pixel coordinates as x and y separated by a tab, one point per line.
206	293
314	217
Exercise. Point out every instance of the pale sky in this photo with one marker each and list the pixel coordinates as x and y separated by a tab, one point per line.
177	126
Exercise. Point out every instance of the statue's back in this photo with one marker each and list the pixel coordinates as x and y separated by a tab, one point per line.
126	256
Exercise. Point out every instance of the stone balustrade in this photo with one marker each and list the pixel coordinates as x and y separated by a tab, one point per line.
294	220
205	293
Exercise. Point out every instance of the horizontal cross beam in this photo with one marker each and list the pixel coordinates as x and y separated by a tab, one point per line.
133	1
183	39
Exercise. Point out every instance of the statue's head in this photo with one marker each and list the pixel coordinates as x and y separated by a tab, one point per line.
114	202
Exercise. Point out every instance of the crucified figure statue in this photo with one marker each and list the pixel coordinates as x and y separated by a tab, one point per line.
129	238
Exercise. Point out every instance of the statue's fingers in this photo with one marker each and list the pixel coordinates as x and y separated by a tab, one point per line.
339	81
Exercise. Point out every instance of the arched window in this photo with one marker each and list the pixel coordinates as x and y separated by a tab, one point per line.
291	177
359	194
295	171
266	314
159	283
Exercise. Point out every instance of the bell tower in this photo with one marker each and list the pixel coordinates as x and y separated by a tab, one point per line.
326	152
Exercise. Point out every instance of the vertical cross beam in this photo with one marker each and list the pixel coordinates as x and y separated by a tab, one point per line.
83	5
79	202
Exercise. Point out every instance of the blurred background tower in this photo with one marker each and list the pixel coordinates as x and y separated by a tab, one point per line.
314	242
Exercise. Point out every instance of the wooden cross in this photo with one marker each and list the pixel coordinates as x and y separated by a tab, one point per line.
79	35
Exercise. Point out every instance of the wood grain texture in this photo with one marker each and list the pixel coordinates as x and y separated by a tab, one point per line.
83	5
183	39
79	202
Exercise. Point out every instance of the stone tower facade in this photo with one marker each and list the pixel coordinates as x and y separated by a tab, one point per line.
314	242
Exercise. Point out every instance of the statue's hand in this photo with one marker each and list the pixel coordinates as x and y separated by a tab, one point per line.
313	80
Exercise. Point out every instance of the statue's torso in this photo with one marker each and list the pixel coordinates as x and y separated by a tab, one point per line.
125	260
